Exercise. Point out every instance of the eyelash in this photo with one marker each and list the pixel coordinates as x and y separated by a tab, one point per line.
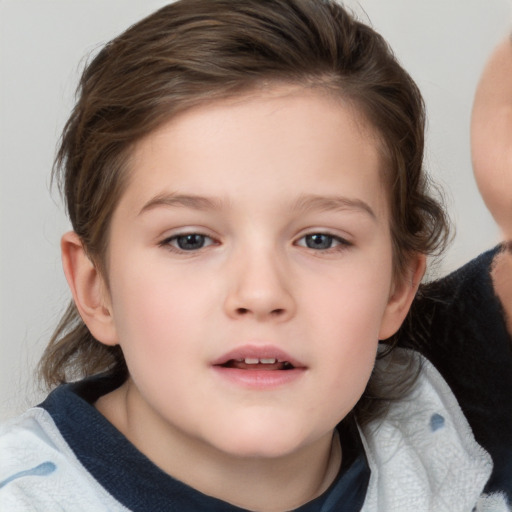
173	243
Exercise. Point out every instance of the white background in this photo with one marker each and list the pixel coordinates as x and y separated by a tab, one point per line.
443	43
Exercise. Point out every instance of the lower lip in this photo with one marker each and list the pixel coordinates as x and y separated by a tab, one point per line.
259	379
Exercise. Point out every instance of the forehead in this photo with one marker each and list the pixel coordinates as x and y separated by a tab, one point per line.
285	139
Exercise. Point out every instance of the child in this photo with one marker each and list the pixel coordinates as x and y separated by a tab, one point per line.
250	215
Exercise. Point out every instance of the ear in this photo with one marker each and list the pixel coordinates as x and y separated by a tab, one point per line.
89	289
402	296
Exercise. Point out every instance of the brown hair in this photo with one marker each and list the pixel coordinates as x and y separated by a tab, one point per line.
194	51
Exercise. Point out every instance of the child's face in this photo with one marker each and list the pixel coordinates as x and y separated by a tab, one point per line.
256	228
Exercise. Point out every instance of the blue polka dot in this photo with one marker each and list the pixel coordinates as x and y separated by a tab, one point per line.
436	422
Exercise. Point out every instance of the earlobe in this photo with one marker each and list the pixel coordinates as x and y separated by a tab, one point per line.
88	288
402	296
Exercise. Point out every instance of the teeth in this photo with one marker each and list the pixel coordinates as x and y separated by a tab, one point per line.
254	360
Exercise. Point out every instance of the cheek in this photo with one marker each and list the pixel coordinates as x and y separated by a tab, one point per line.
158	318
352	300
350	340
157	308
498	199
346	313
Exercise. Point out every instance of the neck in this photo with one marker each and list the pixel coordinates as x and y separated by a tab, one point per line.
502	281
266	485
255	483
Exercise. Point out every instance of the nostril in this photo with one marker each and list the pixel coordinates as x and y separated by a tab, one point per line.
274	312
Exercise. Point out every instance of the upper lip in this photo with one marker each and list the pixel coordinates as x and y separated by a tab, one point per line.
252	351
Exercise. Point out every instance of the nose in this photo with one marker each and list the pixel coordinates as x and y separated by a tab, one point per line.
260	287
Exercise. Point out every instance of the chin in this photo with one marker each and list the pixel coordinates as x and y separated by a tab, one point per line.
261	449
270	441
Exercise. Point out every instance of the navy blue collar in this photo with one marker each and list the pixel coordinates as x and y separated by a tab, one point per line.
133	480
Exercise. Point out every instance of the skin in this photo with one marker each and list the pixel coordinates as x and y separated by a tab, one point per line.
273	165
491	145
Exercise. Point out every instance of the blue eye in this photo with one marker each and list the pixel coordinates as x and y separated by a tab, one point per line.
322	241
188	242
319	241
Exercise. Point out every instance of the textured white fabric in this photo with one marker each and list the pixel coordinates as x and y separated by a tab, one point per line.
423	456
39	472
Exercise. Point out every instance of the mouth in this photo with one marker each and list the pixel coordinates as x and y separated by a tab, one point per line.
259	367
255	363
258	357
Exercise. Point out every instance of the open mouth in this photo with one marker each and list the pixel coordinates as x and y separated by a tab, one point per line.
250	363
258	367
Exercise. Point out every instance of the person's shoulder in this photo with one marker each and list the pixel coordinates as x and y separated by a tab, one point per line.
459	326
25	439
27	459
423	453
38	470
459	307
470	282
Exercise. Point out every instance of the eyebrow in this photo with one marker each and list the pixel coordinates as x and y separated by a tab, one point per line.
333	203
187	201
304	203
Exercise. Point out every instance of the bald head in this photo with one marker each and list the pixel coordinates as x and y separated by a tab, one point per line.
491	136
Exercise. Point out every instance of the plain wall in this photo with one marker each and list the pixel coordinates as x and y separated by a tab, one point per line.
443	44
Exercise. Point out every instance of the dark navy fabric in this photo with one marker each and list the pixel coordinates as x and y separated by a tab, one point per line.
141	486
458	324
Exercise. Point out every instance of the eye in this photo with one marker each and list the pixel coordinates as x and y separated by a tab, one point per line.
322	241
188	242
